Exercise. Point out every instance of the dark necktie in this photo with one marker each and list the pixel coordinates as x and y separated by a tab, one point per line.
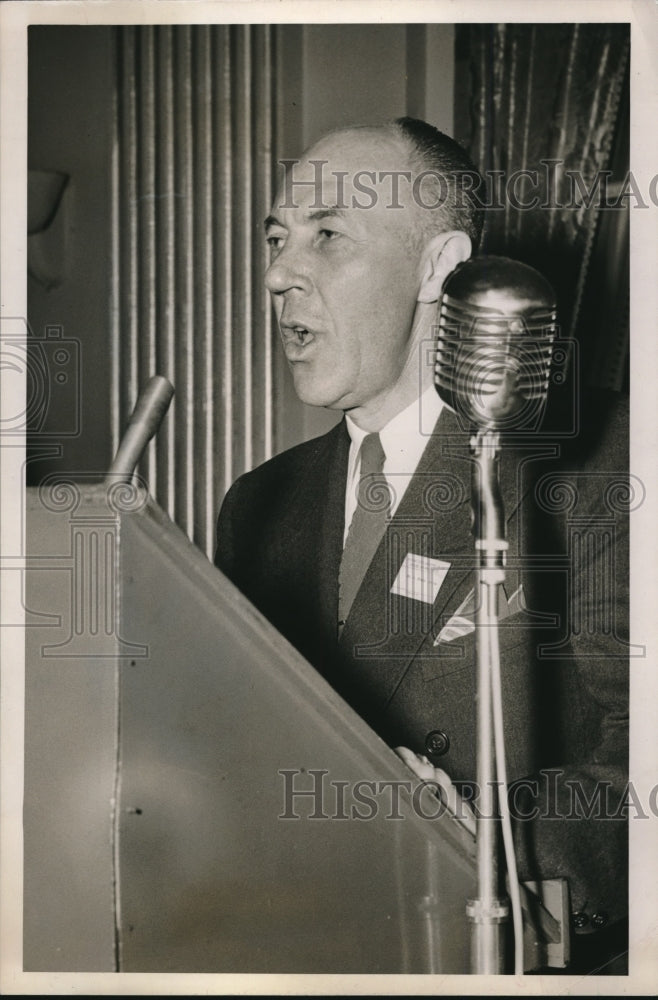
368	525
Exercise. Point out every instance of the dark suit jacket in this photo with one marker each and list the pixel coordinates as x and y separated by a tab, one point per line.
564	653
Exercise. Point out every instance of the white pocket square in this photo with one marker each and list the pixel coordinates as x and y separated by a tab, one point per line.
463	620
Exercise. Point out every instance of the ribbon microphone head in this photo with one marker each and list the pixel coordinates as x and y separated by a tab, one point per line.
497	323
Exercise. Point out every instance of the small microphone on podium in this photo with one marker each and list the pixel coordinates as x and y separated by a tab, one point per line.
497	323
147	416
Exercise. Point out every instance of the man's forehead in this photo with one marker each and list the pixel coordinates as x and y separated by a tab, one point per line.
346	169
359	149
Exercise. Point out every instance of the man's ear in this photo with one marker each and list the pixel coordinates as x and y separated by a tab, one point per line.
441	256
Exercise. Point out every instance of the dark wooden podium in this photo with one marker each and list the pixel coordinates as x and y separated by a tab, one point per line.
169	729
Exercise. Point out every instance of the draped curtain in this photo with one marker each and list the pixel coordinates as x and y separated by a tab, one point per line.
553	98
194	158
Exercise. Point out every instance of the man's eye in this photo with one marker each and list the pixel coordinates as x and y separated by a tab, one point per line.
274	242
328	234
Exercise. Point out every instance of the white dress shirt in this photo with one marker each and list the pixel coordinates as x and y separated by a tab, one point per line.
403	440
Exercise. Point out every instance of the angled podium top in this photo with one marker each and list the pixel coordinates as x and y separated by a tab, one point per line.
197	797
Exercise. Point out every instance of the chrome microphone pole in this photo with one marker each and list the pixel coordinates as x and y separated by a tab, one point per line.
488	911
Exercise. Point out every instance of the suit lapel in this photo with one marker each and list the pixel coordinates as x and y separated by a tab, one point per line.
331	532
384	631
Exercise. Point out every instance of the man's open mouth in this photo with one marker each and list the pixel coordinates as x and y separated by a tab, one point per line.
302	334
296	335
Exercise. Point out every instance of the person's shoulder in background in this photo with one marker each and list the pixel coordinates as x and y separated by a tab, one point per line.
591	427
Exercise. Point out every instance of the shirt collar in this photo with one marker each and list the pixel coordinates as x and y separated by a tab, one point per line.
407	430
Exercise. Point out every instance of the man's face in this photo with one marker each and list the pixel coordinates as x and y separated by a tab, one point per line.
344	280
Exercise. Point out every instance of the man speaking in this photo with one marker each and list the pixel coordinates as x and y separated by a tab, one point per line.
357	545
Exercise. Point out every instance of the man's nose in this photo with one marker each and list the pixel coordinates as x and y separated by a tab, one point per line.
287	272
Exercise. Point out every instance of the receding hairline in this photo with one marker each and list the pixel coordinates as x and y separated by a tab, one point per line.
388	130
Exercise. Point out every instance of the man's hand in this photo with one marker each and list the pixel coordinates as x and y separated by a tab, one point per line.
421	766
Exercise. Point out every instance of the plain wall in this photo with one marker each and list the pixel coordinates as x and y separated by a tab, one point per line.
70	89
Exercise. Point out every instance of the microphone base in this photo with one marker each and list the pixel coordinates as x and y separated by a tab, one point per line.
487	935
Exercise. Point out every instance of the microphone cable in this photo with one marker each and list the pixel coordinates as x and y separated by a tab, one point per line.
503	803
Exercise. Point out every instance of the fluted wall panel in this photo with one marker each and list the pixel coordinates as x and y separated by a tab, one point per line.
193	175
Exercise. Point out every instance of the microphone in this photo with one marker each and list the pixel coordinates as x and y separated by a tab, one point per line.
147	416
497	324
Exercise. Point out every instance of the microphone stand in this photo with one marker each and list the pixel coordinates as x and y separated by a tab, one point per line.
488	911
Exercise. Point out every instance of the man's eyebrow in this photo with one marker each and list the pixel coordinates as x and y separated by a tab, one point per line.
271	221
327	213
316	215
